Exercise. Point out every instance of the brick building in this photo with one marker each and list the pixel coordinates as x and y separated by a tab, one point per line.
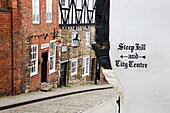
28	52
29	56
78	64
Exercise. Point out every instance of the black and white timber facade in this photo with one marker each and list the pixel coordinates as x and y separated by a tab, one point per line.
77	12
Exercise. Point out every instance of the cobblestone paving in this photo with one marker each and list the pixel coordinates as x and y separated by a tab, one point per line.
76	103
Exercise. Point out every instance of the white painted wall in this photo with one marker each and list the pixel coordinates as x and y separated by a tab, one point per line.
145	90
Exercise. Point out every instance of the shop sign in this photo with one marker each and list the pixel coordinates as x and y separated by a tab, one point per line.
43	46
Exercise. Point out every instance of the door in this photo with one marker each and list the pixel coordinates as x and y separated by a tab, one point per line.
63	73
44	67
93	70
97	78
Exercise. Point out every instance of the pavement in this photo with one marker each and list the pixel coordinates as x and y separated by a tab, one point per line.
18	100
106	107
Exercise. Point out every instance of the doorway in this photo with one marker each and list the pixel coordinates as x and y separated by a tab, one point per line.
93	70
97	78
44	67
63	73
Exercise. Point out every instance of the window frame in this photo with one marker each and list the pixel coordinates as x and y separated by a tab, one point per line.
85	66
76	65
34	59
49	9
54	58
88	35
36	11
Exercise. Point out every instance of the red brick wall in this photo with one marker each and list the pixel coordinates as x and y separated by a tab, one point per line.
34	34
23	32
5	54
11	69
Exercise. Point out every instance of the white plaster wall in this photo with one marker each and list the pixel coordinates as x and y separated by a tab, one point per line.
146	90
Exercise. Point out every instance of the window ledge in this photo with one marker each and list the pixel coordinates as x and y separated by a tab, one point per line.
35	22
49	22
52	71
33	74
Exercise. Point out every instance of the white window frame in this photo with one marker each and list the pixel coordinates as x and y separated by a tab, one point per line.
88	37
54	58
64	49
36	11
76	65
73	36
34	58
49	7
64	3
85	65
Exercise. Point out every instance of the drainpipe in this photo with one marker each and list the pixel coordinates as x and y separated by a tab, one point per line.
12	53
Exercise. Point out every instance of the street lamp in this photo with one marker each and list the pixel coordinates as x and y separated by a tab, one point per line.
76	41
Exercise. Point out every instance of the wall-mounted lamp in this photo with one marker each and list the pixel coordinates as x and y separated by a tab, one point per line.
76	41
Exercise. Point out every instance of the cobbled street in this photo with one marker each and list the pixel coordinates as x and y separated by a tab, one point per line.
76	103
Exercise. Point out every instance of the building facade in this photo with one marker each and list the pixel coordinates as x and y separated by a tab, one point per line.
139	44
31	55
78	64
28	52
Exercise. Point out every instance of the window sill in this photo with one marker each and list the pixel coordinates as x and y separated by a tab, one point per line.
85	75
33	74
52	71
49	22
73	74
35	22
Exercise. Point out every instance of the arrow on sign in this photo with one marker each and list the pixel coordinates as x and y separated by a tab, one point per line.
133	56
123	56
144	57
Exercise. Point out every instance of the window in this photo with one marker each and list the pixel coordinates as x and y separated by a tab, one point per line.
64	49
88	37
64	3
74	67
52	56
4	4
35	11
48	11
85	65
74	33
34	60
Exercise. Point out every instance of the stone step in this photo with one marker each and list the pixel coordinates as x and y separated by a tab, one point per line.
46	87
